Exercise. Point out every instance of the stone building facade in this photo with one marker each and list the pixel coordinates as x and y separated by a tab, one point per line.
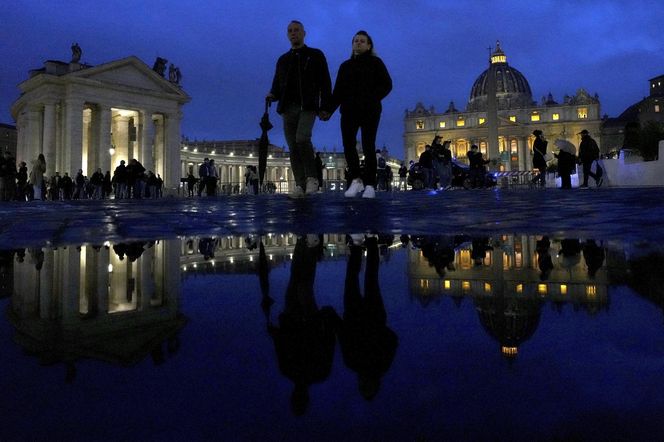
85	117
518	116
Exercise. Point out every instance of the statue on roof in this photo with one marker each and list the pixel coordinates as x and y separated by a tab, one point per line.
160	66
75	53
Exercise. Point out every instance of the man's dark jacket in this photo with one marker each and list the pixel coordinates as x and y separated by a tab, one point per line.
588	150
315	84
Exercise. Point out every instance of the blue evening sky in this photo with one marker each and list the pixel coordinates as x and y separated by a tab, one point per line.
434	50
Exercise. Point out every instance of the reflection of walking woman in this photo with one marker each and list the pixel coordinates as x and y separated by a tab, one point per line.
37	176
368	346
362	82
539	162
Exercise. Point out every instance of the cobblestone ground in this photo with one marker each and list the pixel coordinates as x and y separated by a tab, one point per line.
631	214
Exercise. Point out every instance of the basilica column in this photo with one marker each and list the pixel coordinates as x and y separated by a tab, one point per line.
49	138
521	152
73	135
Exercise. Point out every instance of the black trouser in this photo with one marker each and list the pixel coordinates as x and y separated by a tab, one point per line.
587	173
350	125
565	181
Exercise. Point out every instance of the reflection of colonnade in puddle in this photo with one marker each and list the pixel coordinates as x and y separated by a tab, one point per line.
116	304
239	254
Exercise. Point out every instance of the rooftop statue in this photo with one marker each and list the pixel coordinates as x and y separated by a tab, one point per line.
160	66
75	53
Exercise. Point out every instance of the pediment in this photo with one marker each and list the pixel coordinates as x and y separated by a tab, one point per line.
129	72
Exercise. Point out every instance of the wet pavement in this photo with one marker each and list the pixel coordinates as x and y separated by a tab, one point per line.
461	315
609	213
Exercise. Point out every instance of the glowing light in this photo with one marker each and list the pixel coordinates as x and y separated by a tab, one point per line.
519	288
195	266
447	284
465	285
541	289
111	151
563	289
110	268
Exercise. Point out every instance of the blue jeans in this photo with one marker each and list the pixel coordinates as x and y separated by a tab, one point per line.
298	125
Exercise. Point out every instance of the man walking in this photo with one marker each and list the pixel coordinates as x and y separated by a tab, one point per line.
589	152
302	86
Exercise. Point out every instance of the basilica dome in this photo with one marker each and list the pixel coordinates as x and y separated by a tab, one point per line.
512	88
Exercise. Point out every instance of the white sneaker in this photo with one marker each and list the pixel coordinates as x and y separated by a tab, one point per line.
297	192
356	187
369	192
311	186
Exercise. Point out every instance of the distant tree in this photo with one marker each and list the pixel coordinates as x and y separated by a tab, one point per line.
650	135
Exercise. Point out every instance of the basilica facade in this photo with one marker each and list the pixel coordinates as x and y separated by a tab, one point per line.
518	116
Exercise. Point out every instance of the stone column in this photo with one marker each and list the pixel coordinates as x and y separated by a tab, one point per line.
147	140
88	154
32	138
103	137
121	138
73	136
521	152
171	153
158	144
49	138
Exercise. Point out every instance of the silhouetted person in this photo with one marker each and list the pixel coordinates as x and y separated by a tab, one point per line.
544	261
367	345
479	248
305	339
594	256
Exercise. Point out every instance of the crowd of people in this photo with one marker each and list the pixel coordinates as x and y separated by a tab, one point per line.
128	181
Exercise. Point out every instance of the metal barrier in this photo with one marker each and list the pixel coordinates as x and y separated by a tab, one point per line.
515	178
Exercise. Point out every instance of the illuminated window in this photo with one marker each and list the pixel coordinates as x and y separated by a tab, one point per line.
563	289
464	259
518	259
519	288
556	117
513	118
541	289
483	147
482	120
657	108
447	284
498	58
424	283
509	351
487	287
419	124
591	291
461	122
582	112
535	116
465	285
441	125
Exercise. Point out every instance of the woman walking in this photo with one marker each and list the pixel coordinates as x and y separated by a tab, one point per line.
362	82
37	176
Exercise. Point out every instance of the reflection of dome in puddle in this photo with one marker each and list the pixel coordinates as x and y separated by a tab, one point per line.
509	320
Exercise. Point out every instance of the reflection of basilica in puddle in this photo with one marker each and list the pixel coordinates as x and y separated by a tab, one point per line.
120	303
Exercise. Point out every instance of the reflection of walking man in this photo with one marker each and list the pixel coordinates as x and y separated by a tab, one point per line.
306	336
368	346
302	86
